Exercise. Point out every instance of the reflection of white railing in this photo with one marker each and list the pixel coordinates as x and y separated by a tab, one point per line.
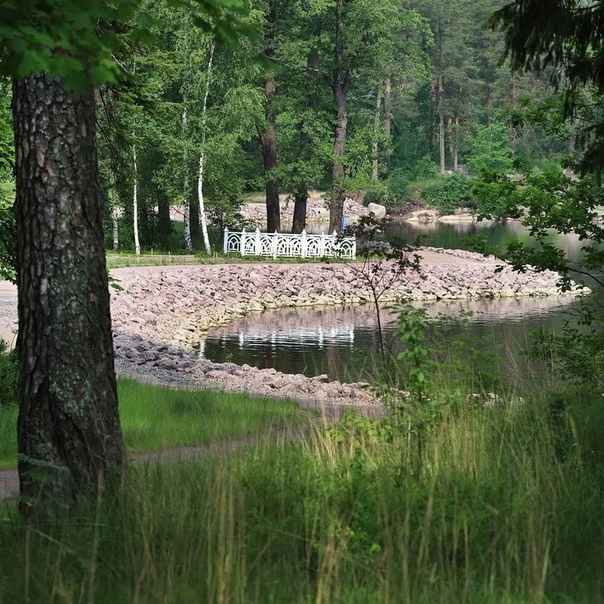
340	335
285	245
301	335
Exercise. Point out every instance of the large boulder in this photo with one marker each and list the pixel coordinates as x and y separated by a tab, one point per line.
378	210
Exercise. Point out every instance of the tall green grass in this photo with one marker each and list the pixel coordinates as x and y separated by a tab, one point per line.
505	506
155	418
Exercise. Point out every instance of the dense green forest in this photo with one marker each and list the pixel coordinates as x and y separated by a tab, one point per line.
402	100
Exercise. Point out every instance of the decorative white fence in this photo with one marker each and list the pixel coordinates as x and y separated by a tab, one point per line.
300	245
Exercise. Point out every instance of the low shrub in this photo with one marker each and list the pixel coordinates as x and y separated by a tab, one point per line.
447	193
8	375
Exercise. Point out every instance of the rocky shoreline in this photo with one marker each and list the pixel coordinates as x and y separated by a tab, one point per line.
161	313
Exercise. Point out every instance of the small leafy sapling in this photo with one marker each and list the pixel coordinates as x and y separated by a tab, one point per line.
382	263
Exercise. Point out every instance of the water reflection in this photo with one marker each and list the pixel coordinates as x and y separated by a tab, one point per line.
458	235
344	342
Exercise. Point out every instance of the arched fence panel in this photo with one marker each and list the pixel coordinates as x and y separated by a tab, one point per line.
285	245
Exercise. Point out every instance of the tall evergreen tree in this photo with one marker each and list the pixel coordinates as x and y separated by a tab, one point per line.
566	38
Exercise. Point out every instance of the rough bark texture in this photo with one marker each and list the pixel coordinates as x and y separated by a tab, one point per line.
269	154
187	243
68	429
164	223
300	201
341	83
336	208
306	153
268	137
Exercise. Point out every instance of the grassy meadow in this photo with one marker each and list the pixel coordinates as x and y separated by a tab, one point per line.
156	418
502	504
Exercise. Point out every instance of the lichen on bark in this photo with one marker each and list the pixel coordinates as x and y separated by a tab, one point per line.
68	429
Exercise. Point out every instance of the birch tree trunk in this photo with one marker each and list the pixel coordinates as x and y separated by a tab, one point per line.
137	245
185	184
202	212
114	219
203	221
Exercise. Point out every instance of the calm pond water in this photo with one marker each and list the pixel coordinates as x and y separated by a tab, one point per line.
344	343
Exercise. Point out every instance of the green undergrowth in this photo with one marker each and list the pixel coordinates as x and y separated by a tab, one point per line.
126	260
155	418
502	505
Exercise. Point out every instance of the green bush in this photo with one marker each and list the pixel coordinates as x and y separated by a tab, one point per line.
8	375
447	193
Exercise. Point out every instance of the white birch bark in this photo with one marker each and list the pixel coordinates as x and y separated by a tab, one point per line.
185	185
114	219
203	222
137	245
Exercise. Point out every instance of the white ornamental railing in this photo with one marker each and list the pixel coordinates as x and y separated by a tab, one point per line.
280	245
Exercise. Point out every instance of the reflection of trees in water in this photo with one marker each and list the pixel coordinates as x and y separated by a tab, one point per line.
315	340
503	324
498	235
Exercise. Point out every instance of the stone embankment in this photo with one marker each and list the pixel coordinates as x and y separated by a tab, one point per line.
317	211
162	313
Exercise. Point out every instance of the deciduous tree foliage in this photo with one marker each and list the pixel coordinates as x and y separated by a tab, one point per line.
566	38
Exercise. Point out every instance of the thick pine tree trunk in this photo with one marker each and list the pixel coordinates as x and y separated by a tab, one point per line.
341	84
269	154
306	152
164	223
69	435
300	202
336	208
268	138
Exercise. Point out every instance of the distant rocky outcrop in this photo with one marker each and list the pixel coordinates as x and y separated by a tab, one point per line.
317	211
